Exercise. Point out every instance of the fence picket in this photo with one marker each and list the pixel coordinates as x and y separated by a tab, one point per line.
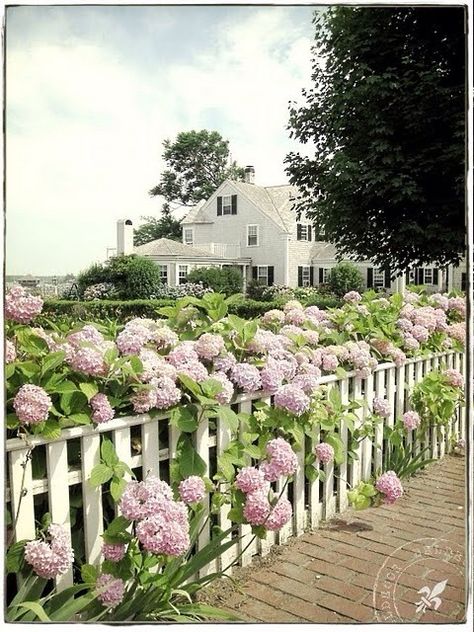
342	478
21	492
380	392
151	449
223	438
329	499
367	442
315	501
92	499
247	547
57	468
202	448
356	465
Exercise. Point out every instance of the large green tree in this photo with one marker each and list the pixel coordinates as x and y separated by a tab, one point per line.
196	165
157	227
386	114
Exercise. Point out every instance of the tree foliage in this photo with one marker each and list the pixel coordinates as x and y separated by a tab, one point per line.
386	116
196	165
157	228
227	280
345	277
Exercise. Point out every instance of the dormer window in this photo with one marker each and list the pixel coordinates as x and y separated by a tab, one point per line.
188	236
227	205
303	232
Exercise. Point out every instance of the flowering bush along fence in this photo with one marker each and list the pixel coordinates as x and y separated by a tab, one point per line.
244	433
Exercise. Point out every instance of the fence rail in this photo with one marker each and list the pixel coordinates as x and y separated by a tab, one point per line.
149	444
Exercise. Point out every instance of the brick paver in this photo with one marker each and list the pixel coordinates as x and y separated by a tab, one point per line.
375	565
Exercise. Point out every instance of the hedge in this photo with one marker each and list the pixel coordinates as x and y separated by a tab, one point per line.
125	310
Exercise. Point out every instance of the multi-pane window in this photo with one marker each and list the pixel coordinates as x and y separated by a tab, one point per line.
326	273
182	274
379	278
306	276
227	205
303	232
262	274
252	235
188	236
428	276
163	273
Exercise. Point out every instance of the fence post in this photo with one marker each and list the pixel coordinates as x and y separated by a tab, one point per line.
356	465
342	479
202	448
21	493
92	499
367	442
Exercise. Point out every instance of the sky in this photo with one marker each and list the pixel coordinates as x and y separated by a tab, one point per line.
92	92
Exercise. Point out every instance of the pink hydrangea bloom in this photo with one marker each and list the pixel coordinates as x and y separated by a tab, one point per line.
324	452
90	361
161	536
193	369
454	378
404	324
390	486
114	552
295	316
183	353
133	337
308	382
329	361
249	479
224	362
209	346
53	558
87	335
272	377
227	392
291	305
352	297
247	377
10	352
257	507
164	338
458	332
292	398
280	515
458	304
32	404
273	316
144	400
440	301
167	394
381	407
140	499
110	590
420	333
411	420
410	343
21	306
282	457
192	489
102	410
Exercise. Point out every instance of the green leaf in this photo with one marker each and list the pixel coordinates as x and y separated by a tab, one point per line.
51	361
253	451
338	447
12	421
117	487
107	452
190	463
136	364
89	574
9	370
229	418
225	465
89	389
66	387
260	532
14	557
236	514
118	525
341	372
100	474
184	418
73	402
311	473
51	429
80	419
37	609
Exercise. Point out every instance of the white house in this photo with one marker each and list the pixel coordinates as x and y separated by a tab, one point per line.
255	228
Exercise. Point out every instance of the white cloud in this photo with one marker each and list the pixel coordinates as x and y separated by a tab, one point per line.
85	127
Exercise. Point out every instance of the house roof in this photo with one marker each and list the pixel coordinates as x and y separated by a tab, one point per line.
169	247
274	202
323	251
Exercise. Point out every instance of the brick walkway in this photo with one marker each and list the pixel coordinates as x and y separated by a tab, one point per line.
362	561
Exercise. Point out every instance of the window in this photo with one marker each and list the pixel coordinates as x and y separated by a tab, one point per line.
227	205
303	232
189	236
326	273
379	278
319	234
304	276
252	235
428	276
182	274
163	273
262	274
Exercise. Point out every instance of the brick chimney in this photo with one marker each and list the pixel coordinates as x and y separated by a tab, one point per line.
249	174
124	237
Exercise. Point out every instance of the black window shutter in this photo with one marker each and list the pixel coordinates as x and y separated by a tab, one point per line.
311	275
271	275
388	281
300	276
370	277
435	276
420	276
309	235
234	205
219	205
463	281
321	275
254	272
298	232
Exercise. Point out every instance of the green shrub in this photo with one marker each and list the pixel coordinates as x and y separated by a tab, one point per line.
227	280
133	277
101	310
258	290
345	277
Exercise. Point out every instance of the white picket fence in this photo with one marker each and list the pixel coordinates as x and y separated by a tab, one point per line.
312	502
